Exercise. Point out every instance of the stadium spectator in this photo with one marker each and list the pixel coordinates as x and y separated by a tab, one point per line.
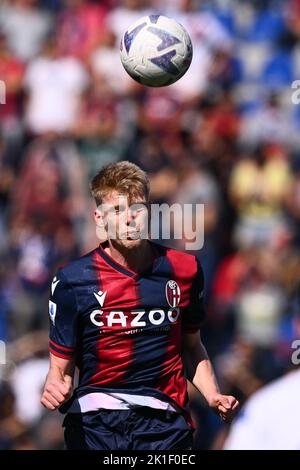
54	83
79	27
26	27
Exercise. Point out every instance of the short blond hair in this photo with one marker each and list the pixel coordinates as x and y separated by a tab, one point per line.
124	177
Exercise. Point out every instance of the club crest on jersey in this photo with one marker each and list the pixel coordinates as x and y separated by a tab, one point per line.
172	293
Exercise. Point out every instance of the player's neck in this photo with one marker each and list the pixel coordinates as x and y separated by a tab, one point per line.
137	259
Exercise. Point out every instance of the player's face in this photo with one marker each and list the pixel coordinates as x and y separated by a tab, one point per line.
125	221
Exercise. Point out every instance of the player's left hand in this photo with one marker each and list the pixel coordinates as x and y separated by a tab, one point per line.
226	406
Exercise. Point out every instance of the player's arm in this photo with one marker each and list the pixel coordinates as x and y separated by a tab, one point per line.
200	372
59	382
63	314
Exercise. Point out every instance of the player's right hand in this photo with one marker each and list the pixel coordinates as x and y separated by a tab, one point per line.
57	390
226	406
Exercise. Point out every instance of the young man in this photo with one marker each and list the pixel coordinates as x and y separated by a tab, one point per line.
128	316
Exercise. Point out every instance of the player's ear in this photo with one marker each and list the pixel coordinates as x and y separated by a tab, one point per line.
98	217
101	233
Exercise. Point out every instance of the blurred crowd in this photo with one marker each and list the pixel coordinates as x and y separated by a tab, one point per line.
225	135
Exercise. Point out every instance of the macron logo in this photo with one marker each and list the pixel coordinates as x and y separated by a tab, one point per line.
100	296
54	284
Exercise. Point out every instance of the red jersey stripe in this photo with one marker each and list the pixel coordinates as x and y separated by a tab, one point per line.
114	349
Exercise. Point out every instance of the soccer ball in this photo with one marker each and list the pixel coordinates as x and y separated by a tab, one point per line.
156	51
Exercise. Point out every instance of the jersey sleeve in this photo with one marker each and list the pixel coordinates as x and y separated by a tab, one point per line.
63	318
194	314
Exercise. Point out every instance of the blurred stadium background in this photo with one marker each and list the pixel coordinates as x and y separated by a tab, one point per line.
225	135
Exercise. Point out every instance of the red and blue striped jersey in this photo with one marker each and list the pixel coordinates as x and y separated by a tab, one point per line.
124	329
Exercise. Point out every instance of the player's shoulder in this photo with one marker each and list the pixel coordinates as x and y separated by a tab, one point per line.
77	268
186	263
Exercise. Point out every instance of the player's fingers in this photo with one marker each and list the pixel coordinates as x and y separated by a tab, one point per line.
56	390
231	400
228	415
49	397
47	404
60	397
222	401
55	393
236	405
64	389
222	409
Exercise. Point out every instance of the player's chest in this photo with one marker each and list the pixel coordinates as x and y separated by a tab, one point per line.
124	302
